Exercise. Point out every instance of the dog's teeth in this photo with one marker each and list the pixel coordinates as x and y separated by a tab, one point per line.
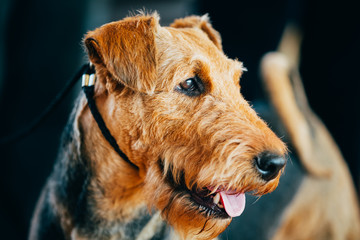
216	199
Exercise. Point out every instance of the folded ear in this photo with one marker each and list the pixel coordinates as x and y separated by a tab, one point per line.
127	50
202	23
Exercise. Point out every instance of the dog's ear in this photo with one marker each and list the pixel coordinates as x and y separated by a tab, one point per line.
126	49
202	23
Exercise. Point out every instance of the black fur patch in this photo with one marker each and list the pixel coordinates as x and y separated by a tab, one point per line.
49	225
72	175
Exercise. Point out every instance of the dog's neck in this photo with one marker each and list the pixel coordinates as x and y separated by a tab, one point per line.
117	184
100	187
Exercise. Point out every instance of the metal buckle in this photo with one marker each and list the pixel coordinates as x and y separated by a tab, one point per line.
89	77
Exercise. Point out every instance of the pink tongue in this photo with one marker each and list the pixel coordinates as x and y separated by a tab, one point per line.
234	204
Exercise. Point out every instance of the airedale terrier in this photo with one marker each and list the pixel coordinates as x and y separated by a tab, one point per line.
171	100
325	205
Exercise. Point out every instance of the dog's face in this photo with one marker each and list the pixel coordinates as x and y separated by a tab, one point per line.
173	103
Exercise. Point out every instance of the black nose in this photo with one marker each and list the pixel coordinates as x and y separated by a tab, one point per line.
269	165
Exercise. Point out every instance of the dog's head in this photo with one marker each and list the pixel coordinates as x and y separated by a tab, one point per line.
172	101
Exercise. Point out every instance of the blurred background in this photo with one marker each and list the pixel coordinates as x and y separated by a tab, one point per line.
41	49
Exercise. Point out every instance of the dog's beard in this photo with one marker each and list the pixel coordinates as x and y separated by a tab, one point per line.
180	206
188	220
179	209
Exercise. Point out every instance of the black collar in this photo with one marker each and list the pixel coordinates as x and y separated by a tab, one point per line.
88	83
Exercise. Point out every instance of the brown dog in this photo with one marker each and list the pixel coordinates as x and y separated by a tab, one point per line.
171	99
325	207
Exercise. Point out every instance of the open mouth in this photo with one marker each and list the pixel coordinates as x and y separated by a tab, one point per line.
220	203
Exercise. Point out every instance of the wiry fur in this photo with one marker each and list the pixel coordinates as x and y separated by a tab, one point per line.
209	140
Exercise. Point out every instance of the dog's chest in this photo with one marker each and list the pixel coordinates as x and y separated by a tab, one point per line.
143	227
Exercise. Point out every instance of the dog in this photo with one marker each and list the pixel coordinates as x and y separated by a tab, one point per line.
171	100
325	205
316	198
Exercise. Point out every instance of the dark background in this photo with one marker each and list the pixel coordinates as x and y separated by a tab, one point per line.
40	49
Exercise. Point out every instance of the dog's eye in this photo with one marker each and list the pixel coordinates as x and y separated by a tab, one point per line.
188	85
191	87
